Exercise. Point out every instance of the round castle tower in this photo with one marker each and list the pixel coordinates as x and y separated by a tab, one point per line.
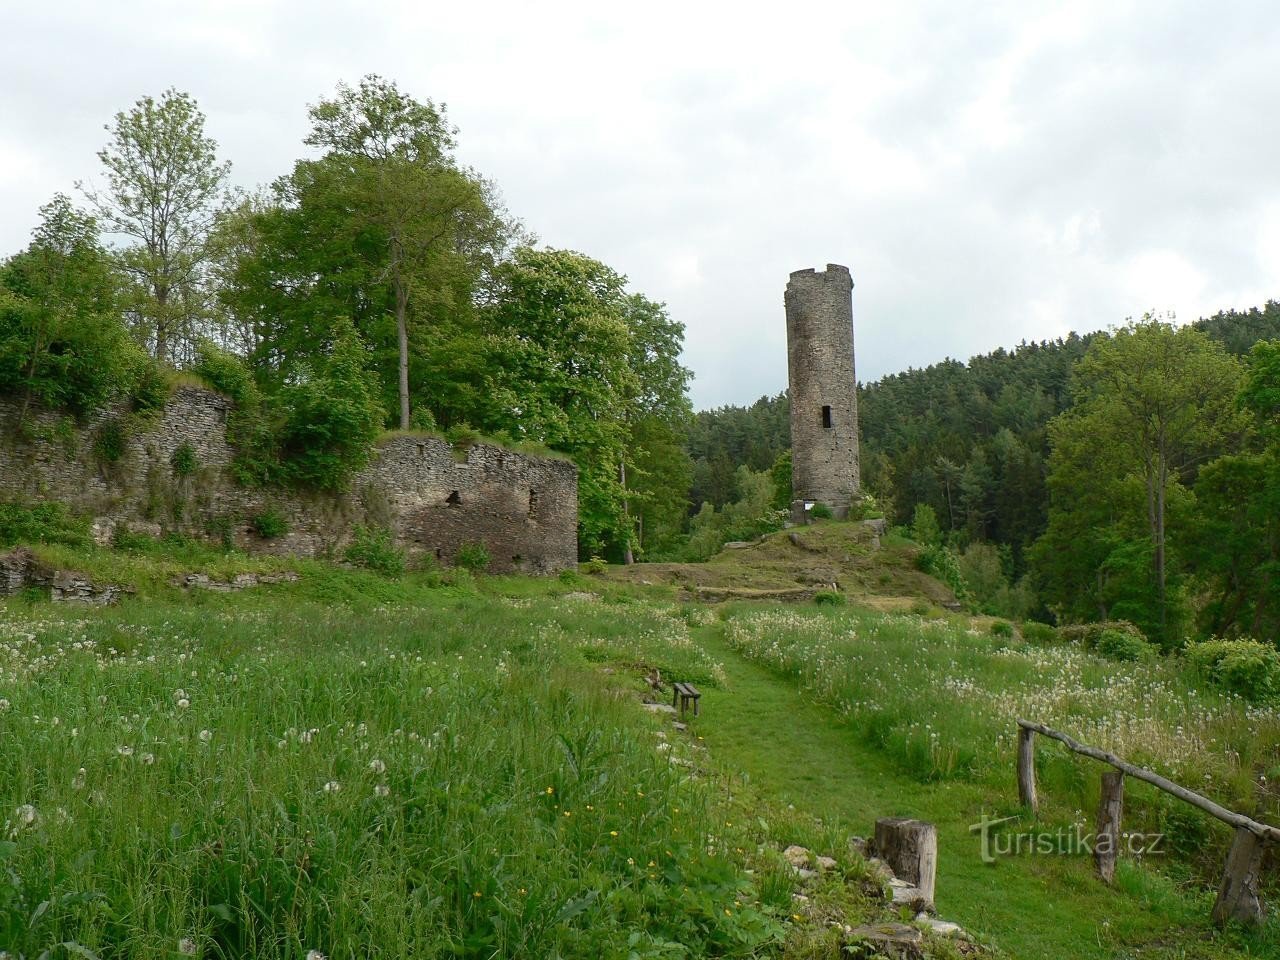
824	390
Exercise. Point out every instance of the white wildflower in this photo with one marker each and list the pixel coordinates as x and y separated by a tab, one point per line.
333	786
377	766
125	751
187	947
205	736
382	790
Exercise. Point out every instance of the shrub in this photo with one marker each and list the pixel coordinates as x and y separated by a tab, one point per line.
1122	645
820	511
41	523
596	566
473	557
568	576
1248	668
1002	628
373	549
110	442
924	526
149	389
1088	635
226	373
269	524
222	529
1039	632
943	564
331	418
184	460
828	598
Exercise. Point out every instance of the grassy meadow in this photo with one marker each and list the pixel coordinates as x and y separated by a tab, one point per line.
442	765
348	766
939	696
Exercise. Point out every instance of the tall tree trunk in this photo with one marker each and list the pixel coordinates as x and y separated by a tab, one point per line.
402	337
162	324
628	556
1162	479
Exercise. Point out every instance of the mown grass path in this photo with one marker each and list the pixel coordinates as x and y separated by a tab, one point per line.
799	752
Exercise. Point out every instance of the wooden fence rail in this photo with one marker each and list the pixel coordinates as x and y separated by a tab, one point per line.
1238	893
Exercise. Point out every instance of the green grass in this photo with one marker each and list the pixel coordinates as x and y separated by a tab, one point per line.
364	766
890	715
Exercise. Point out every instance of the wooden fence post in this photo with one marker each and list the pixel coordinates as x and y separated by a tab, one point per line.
1027	768
1238	894
910	847
1106	842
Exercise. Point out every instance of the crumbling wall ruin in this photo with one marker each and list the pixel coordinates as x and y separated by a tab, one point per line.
522	509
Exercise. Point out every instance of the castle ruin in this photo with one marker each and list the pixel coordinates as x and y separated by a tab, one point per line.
824	391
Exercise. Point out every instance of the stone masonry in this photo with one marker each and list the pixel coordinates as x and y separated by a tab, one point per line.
523	509
824	390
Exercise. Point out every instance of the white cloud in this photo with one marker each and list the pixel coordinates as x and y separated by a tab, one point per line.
990	173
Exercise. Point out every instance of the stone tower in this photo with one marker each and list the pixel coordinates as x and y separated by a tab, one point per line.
824	390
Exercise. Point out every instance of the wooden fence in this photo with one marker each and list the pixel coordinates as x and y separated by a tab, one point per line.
1237	894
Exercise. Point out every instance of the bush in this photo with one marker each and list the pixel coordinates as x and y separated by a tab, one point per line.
110	442
41	523
331	419
820	511
596	566
828	598
149	389
1039	632
374	550
1088	635
226	373
1122	645
184	460
269	524
1002	628
943	564
1248	668
473	557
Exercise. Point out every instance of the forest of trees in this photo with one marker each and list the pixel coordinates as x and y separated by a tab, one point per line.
1116	475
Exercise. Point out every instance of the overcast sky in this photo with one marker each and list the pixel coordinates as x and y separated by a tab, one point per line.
990	172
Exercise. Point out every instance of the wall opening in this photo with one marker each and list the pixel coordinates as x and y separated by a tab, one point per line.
453	499
422	449
826	417
533	503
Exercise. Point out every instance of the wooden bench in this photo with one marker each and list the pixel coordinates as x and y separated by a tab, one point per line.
685	693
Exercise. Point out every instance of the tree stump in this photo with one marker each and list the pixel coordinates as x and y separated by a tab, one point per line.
910	847
1106	843
1027	768
1238	894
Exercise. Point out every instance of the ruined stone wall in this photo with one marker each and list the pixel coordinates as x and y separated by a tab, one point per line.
523	509
824	389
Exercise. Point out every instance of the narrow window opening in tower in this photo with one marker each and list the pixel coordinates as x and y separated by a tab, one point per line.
533	503
826	417
453	499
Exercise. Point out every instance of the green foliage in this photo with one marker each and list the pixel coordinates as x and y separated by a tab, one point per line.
752	515
1089	635
331	418
1248	668
943	563
41	523
924	526
184	461
1002	628
829	598
473	557
110	442
596	566
164	186
62	344
1041	633
1152	403
226	373
820	511
1122	645
269	524
374	549
780	474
